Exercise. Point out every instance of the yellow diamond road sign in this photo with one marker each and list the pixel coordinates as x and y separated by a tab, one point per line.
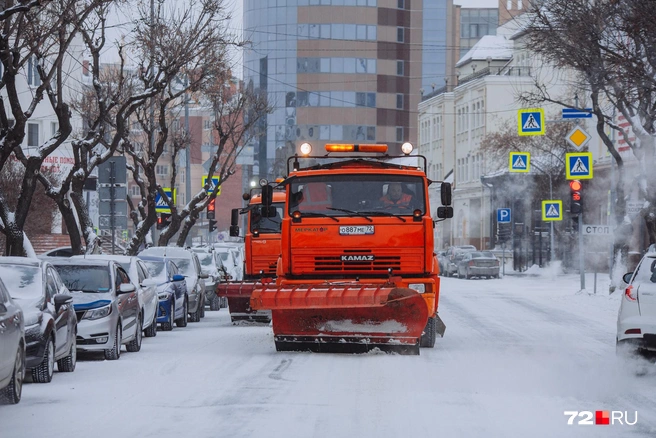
577	137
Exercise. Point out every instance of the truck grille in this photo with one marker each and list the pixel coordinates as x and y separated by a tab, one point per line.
266	264
400	260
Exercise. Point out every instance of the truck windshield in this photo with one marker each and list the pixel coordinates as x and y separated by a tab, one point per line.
267	224
358	194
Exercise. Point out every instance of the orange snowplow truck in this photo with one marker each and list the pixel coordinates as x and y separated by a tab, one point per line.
358	269
262	248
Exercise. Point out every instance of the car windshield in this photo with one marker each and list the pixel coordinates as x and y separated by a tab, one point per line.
357	195
267	224
185	266
487	254
157	270
477	255
646	271
224	256
206	259
91	279
21	281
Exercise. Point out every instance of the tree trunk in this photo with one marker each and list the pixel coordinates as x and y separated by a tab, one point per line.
189	222
168	233
86	225
14	240
68	217
143	228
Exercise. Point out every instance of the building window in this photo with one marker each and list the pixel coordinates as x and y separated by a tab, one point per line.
399	134
400	34
519	4
206	124
400	68
54	127
32	134
33	77
399	101
509	4
401	4
135	191
161	169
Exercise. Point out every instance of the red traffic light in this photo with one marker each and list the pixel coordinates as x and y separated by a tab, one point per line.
211	205
576	196
575	185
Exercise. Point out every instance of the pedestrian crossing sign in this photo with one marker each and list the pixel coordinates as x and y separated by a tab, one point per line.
578	165
161	206
520	162
552	210
531	121
214	182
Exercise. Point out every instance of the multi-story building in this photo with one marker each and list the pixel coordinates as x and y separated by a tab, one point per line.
341	70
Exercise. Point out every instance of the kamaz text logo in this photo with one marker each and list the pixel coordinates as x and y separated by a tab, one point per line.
601	418
357	258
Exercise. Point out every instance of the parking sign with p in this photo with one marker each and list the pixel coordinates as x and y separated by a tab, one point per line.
503	215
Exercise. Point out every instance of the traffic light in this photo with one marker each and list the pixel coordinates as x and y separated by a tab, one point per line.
576	203
212	225
211	208
163	220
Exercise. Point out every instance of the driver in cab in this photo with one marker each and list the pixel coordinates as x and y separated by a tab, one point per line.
395	196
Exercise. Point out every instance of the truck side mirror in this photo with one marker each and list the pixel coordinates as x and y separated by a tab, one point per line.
444	212
267	195
445	193
234	222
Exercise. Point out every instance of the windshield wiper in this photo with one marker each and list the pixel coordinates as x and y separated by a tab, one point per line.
275	230
383	213
357	213
315	214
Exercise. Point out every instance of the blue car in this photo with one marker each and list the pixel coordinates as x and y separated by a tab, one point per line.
171	292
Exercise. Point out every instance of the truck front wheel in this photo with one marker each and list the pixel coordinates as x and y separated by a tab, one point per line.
430	333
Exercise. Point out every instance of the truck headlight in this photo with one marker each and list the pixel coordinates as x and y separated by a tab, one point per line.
419	287
98	313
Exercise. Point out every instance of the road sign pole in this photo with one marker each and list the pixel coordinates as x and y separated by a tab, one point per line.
112	206
581	252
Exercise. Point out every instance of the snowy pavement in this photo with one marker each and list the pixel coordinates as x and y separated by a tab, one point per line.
517	353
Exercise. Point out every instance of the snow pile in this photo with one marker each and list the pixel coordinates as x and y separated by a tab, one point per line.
550	271
348	326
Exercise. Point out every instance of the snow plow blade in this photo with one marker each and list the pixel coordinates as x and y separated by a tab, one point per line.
350	319
239	296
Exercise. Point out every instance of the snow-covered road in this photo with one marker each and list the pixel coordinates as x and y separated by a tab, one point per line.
517	353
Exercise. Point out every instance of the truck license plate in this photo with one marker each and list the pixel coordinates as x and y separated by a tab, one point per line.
359	229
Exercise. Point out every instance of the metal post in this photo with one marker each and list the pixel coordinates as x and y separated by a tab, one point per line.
581	249
112	211
187	156
552	246
503	257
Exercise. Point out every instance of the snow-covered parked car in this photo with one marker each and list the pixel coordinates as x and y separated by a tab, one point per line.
12	349
146	288
171	292
50	322
189	266
106	305
636	321
211	265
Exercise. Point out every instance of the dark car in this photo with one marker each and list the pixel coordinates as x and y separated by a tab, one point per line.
171	292
12	349
478	264
50	322
106	305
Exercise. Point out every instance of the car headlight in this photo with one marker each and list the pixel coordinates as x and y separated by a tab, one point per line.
98	313
419	287
164	295
33	330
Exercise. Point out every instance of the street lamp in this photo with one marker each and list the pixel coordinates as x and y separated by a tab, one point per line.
552	254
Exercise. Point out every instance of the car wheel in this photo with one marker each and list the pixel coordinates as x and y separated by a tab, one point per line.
224	302
467	276
168	325
151	331
427	339
202	308
215	303
44	371
135	345
195	316
182	321
67	364
11	394
114	353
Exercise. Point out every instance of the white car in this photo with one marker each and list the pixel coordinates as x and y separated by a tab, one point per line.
230	257
146	287
636	321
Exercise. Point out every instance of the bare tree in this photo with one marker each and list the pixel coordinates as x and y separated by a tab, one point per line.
237	112
611	47
37	45
189	42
